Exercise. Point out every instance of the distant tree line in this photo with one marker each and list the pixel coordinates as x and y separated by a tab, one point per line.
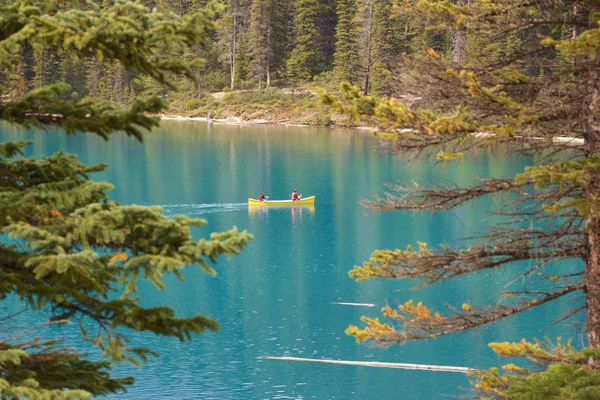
259	44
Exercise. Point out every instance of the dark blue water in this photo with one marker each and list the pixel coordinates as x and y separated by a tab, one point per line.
276	298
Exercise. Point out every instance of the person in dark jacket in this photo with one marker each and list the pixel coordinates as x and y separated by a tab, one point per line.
262	197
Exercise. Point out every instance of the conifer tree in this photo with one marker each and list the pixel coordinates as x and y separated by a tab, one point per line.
67	250
537	88
269	29
346	60
230	35
261	38
304	60
367	9
73	73
242	63
327	29
385	47
282	37
92	70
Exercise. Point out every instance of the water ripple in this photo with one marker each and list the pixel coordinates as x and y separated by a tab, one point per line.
200	209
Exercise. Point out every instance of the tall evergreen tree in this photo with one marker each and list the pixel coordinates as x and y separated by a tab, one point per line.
385	48
230	35
542	96
71	252
283	34
45	63
269	29
92	70
347	65
242	62
261	38
304	62
327	29
73	73
367	11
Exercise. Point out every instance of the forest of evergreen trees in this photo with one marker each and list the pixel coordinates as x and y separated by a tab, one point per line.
259	44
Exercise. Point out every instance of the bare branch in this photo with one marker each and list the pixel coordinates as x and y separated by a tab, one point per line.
424	325
26	331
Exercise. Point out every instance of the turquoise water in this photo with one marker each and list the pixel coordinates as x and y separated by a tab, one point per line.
276	298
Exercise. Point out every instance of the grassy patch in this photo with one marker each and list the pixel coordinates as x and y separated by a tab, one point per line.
270	98
271	104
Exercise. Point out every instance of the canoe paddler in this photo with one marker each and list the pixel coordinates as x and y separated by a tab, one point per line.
262	197
295	196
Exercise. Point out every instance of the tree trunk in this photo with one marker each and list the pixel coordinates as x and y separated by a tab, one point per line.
460	41
592	272
592	222
369	33
233	46
574	33
268	57
459	46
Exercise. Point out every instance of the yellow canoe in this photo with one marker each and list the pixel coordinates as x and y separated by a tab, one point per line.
301	202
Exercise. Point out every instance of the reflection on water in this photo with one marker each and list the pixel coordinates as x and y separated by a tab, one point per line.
261	212
192	210
309	208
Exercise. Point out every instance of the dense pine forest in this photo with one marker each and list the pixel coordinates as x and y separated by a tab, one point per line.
259	44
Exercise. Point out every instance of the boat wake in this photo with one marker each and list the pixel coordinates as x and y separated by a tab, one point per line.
192	210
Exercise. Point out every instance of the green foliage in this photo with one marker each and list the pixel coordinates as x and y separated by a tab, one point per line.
269	97
96	32
215	81
242	65
48	106
304	61
385	40
260	33
573	176
100	32
529	79
41	375
347	66
565	373
260	43
78	248
206	101
66	250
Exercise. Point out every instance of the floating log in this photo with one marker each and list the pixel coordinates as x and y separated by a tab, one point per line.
436	368
354	304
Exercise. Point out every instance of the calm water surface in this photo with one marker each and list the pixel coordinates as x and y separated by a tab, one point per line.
276	298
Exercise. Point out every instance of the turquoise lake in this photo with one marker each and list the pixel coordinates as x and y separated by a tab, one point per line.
276	298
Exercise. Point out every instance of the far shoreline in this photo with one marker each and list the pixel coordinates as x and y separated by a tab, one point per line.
238	121
251	122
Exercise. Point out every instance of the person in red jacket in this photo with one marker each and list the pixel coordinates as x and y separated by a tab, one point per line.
295	196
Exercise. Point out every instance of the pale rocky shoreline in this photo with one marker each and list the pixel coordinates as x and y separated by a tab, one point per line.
230	121
238	121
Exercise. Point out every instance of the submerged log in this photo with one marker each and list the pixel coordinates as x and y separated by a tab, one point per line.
437	368
353	304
